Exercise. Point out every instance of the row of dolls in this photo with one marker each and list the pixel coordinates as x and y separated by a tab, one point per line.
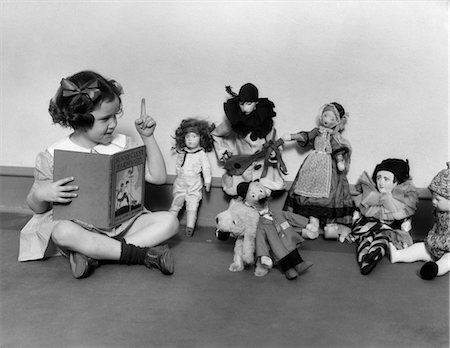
378	219
247	145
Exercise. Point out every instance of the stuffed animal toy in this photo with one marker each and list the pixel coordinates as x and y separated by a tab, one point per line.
239	221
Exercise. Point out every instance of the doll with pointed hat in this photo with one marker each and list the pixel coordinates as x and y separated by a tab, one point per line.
435	249
247	129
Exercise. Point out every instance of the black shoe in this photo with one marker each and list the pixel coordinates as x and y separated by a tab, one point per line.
366	269
189	231
81	265
429	270
160	257
303	266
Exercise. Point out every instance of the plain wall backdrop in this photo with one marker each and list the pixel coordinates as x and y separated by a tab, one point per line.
386	62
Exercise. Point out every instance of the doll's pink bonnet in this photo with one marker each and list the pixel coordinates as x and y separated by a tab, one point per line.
441	183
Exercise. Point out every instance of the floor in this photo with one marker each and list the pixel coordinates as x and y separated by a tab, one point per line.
205	305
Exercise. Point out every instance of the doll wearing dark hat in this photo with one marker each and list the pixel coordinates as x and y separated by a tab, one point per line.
385	204
248	125
435	249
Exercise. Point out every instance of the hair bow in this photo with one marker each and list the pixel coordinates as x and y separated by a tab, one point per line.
90	89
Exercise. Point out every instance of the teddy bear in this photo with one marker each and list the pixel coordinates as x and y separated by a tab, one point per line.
273	235
240	221
278	234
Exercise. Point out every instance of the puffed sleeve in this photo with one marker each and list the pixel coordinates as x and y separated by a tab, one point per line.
307	137
43	171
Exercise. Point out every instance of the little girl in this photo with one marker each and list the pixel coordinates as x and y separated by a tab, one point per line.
436	247
320	189
385	204
247	128
90	104
193	140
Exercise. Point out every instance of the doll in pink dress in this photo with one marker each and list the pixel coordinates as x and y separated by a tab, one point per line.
320	189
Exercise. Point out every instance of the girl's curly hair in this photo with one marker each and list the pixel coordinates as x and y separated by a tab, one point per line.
74	109
200	127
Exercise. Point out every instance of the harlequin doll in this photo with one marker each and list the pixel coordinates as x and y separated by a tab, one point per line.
320	189
385	205
193	168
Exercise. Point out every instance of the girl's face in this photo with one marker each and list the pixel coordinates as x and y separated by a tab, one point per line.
440	203
329	119
385	181
105	123
192	140
247	107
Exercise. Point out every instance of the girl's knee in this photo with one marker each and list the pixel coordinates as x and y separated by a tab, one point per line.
172	224
63	233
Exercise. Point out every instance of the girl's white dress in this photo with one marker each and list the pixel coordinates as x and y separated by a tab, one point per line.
35	236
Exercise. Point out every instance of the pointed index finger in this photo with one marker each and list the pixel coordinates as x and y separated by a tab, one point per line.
143	111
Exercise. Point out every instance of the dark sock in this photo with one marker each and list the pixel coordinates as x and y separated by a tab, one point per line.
131	254
429	270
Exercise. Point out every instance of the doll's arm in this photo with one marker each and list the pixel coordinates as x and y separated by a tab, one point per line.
206	171
221	148
291	137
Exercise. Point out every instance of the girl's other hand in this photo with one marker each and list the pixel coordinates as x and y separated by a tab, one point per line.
145	125
57	191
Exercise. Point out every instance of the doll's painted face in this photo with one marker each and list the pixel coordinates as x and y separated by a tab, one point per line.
329	119
440	203
247	107
192	140
385	181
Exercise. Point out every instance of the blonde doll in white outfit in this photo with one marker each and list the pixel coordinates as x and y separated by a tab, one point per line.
193	168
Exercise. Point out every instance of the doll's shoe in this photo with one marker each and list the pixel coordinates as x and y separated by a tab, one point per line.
313	224
373	256
429	270
331	231
260	271
160	257
189	231
291	274
368	267
303	266
81	265
308	234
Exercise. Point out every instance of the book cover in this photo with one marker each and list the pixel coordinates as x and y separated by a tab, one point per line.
111	188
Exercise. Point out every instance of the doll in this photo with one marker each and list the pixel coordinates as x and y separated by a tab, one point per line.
435	249
278	234
385	205
248	127
320	189
193	168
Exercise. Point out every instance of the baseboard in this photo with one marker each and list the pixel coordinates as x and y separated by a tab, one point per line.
15	183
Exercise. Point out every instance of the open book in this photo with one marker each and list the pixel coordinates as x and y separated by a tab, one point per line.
111	187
